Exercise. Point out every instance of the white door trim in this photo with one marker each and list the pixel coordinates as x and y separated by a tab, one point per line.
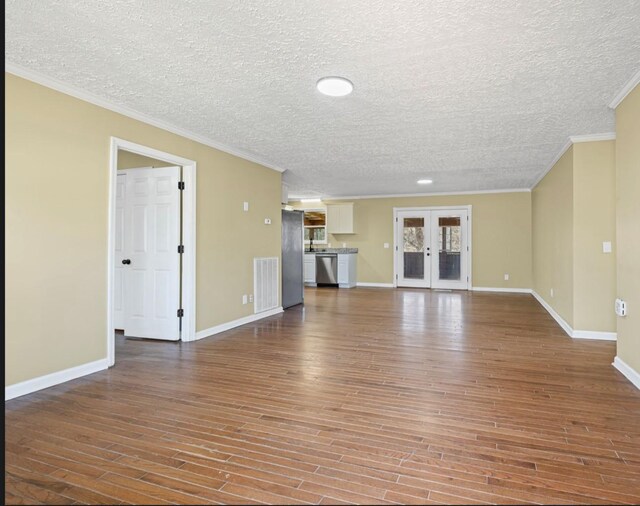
188	234
433	208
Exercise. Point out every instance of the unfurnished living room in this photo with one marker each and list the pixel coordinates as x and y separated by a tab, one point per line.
302	252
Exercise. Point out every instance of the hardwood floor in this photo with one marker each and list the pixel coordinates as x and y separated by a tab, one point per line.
361	396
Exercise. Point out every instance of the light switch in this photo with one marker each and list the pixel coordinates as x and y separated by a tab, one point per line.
267	221
606	247
246	206
506	277
386	245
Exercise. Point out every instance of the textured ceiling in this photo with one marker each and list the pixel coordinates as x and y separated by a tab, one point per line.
476	95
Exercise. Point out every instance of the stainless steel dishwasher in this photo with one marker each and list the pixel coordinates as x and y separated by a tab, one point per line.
327	269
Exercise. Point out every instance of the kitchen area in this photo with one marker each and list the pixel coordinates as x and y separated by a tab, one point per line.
308	259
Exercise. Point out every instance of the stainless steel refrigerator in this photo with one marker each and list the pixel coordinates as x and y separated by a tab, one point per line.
292	258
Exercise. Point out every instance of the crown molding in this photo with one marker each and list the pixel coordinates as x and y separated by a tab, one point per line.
626	89
400	195
607	136
574	139
85	96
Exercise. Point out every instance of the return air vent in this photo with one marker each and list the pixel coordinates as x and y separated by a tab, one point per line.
265	283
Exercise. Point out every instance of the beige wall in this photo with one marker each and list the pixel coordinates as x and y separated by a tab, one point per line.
594	222
501	236
552	215
128	160
628	225
573	214
57	169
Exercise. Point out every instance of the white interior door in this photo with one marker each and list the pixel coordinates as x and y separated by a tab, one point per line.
118	295
413	253
449	237
151	266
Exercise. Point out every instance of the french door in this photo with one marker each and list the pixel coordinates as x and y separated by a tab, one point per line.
432	248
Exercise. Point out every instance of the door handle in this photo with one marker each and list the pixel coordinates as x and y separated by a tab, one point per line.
126	261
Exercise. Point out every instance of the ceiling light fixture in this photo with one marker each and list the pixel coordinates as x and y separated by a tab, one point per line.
425	181
310	200
334	86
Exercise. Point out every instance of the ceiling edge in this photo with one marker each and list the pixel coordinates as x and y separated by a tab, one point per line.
85	96
626	89
434	194
574	139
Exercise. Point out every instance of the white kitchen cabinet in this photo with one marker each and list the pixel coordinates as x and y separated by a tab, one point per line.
347	270
310	268
340	218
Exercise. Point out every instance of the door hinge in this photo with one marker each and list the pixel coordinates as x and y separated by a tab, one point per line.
467	248
396	248
396	220
181	249
396	276
180	185
180	313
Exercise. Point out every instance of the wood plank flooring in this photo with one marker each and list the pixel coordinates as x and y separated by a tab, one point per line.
371	396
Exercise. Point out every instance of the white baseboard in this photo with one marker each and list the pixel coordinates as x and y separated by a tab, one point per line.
630	373
500	290
565	326
575	334
595	334
236	323
375	285
55	378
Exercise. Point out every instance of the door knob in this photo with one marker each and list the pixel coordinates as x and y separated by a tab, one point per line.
126	261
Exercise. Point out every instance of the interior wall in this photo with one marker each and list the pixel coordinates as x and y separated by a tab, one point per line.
129	160
57	165
552	216
594	222
501	238
628	225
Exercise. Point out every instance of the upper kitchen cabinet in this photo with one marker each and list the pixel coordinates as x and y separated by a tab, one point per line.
340	218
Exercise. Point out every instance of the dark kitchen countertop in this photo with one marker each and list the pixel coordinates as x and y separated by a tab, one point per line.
341	251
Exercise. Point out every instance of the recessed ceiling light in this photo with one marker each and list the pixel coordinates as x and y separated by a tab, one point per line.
310	200
425	181
334	86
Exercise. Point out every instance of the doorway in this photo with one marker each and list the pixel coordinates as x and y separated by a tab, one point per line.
158	211
432	247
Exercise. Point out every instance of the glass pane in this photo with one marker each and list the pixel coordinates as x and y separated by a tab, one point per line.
413	248
449	237
315	233
315	218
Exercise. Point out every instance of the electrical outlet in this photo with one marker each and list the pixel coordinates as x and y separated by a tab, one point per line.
621	307
344	244
506	277
244	299
267	221
250	297
551	291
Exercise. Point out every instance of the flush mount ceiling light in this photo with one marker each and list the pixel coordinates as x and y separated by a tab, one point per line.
334	86
425	181
310	200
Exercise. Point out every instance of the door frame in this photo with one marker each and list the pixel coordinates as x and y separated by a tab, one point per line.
432	208
188	332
